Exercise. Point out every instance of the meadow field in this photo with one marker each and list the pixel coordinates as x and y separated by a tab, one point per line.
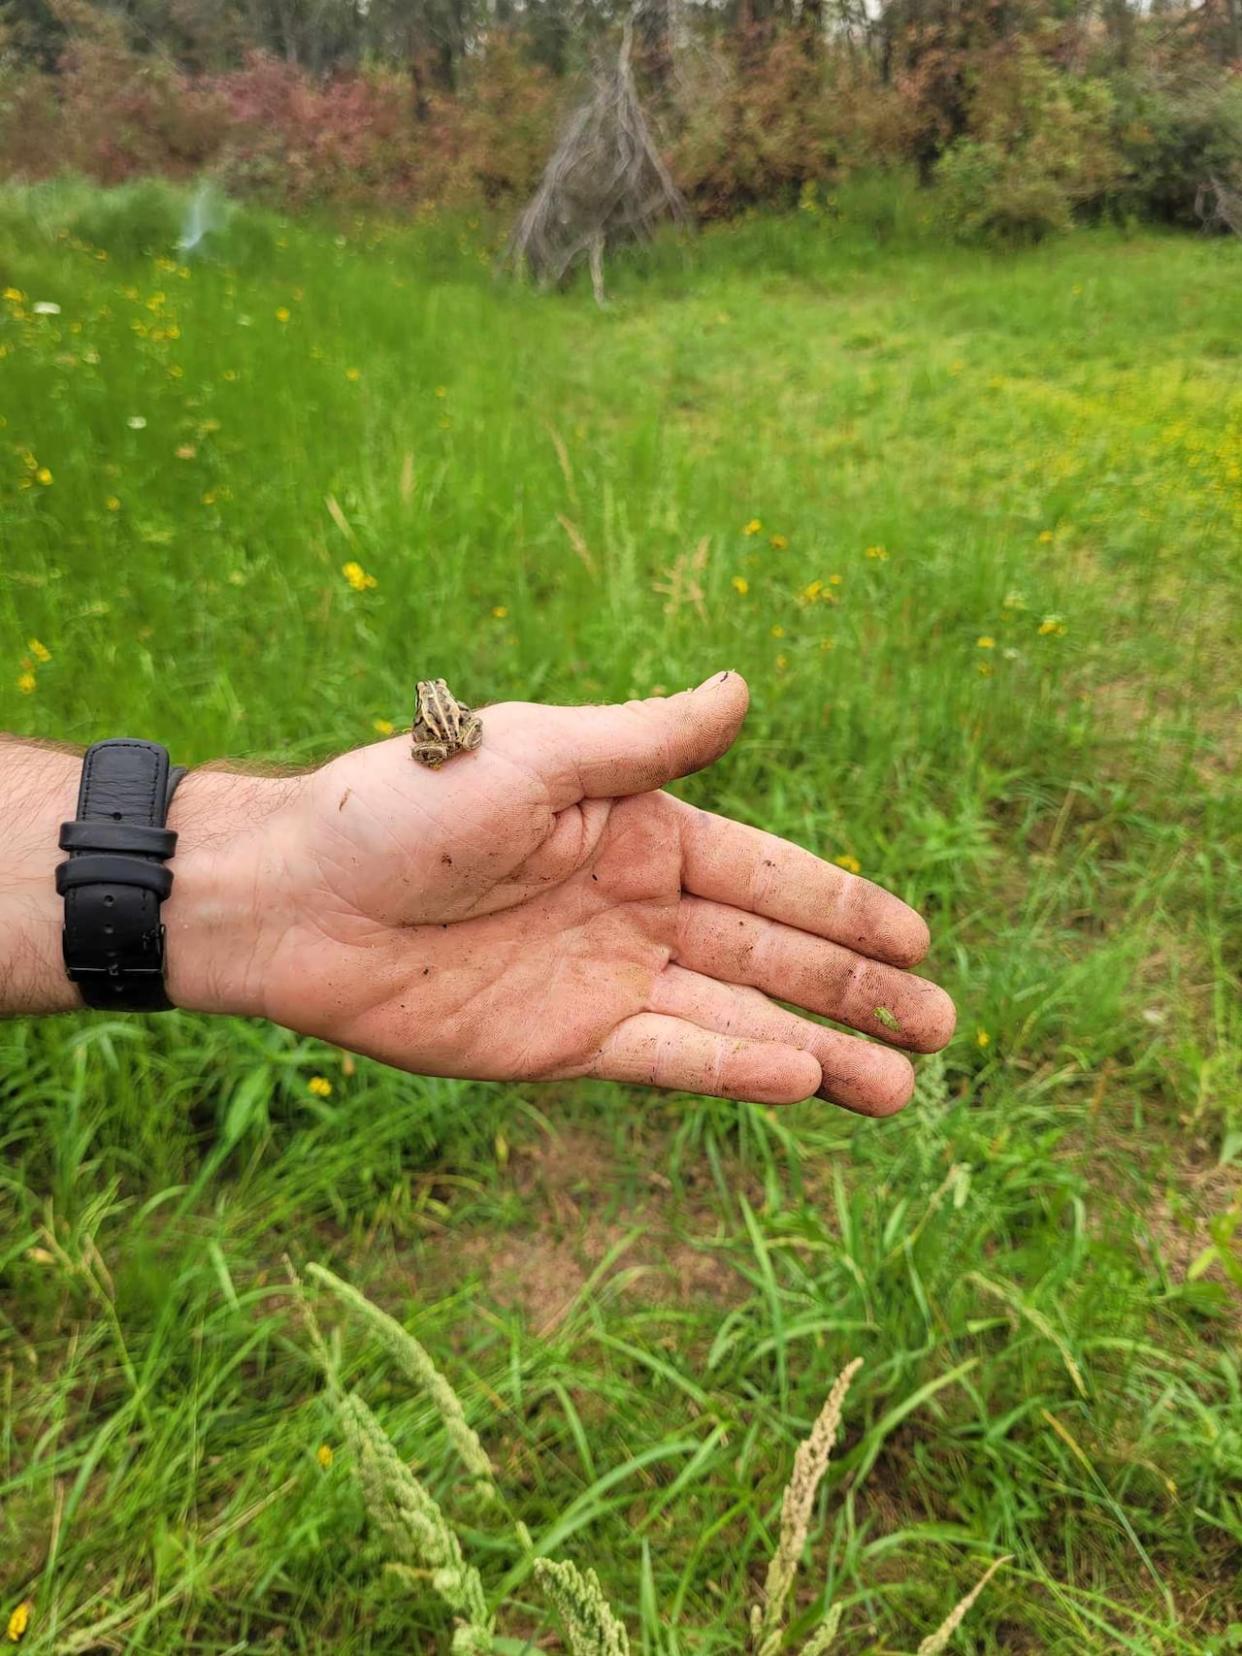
970	526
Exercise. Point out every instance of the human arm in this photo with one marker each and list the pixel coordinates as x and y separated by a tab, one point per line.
538	909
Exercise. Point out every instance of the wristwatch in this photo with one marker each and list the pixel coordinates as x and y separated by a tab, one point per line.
114	878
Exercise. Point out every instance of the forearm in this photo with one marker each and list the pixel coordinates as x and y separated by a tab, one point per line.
222	880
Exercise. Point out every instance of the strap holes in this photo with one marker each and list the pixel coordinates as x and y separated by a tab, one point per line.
108	901
116	816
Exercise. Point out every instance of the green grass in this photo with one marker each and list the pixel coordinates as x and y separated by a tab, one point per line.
643	1300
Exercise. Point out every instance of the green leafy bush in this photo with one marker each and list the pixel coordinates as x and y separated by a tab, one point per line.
1039	152
1171	140
988	194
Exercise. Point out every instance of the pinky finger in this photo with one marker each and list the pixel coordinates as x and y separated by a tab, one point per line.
652	1050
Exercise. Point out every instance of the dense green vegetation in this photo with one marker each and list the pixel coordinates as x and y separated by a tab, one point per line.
970	527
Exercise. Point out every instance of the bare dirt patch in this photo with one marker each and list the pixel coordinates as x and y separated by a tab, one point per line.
593	1221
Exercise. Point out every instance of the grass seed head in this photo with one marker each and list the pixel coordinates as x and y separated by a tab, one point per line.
938	1641
590	1625
810	1464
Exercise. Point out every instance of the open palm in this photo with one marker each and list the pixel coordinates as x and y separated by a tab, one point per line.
540	908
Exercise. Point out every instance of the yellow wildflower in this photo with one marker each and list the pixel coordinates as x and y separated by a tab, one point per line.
357	577
383	727
353	374
849	863
782	661
826	643
879	553
1051	625
835	580
39	651
778	631
985	669
15	296
112	503
441	391
18	1622
1045	536
983	1039
44	475
282	313
324	1455
229	374
320	1086
26	682
812	592
740	585
753	527
778	543
499	611
985	643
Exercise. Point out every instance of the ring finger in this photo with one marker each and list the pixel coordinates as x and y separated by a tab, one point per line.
737	947
861	1076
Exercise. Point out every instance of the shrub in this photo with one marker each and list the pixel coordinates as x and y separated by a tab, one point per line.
506	119
1039	151
122	114
753	127
296	140
1171	140
987	194
31	131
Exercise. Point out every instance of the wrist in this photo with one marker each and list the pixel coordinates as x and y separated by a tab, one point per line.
224	916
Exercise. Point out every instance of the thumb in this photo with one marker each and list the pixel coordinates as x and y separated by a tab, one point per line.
602	752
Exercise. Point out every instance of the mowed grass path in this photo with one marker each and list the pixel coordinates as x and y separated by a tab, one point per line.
970	526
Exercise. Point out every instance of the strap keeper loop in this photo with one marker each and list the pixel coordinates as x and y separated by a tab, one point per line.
98	868
98	834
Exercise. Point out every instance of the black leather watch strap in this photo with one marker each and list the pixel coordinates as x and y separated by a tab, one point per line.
114	878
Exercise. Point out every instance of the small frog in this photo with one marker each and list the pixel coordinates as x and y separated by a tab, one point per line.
443	726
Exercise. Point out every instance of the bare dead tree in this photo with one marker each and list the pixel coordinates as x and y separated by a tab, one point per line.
1218	206
605	185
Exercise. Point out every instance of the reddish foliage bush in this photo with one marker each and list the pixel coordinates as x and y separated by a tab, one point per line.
759	119
121	114
298	140
753	125
271	129
506	119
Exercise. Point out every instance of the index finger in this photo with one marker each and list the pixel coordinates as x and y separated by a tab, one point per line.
728	862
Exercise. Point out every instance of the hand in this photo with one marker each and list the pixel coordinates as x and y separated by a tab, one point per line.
539	909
